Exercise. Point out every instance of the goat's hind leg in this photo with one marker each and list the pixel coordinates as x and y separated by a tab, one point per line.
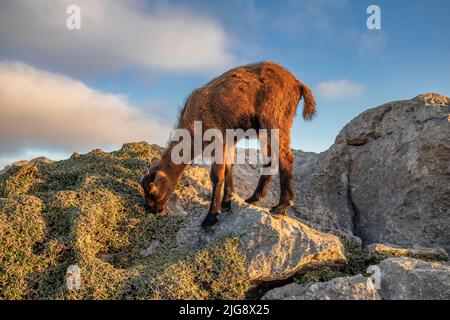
261	189
285	168
264	180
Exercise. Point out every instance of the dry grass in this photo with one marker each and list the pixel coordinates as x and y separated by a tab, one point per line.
88	211
356	264
217	273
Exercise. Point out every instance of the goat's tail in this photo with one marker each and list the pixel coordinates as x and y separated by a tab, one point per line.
309	105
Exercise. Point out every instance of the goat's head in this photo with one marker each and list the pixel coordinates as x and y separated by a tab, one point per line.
157	187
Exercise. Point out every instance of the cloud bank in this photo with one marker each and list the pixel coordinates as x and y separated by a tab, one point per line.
339	90
114	35
44	110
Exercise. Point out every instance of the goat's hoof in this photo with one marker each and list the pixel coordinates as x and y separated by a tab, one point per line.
210	220
252	200
226	206
278	212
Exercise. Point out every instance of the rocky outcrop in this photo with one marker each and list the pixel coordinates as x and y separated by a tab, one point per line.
381	251
410	279
385	182
276	248
399	174
344	288
386	179
322	191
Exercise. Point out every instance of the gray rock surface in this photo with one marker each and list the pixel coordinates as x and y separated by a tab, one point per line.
399	174
379	250
345	288
322	191
277	248
409	279
386	179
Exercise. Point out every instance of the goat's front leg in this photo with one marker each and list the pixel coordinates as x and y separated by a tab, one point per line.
228	188
217	177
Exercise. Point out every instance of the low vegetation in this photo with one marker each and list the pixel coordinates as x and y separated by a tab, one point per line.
88	211
356	264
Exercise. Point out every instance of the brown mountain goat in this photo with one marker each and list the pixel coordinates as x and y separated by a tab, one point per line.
259	96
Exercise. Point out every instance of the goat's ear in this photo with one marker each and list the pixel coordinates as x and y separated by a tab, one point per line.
160	178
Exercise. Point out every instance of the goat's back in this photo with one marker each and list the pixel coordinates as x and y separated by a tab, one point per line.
241	96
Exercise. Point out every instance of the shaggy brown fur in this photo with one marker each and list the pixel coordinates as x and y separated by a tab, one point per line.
259	96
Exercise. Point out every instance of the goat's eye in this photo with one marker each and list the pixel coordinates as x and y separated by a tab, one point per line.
153	189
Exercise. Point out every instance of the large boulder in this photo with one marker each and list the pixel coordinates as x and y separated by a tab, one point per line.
399	174
386	179
322	191
411	279
345	288
276	248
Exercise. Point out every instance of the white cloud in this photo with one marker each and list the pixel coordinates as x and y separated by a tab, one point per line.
46	111
114	35
339	90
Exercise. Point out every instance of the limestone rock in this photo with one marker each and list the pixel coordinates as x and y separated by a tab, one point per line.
378	250
321	191
386	179
409	279
399	173
345	288
276	248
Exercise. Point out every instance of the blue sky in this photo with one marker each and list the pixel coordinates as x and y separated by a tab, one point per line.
325	43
